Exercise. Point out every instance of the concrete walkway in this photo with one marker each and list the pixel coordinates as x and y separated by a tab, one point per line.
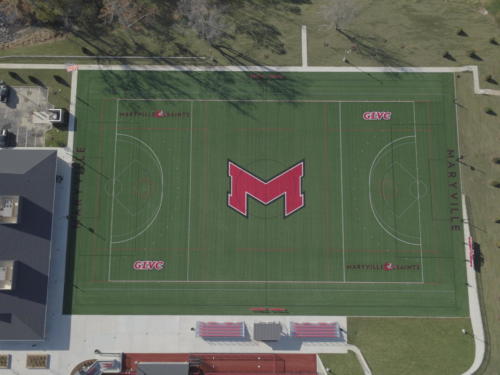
474	305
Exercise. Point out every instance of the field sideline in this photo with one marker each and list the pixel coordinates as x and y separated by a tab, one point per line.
361	267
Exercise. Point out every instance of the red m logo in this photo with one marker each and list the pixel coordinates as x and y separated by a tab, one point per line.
287	184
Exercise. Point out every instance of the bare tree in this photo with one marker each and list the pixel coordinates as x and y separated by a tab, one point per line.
125	12
9	11
206	17
339	13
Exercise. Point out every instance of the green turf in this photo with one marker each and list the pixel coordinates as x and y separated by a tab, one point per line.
377	193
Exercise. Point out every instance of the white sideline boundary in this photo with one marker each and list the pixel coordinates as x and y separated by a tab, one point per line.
113	190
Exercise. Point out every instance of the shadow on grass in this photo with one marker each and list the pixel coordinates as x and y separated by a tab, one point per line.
61	80
263	34
369	46
17	77
37	81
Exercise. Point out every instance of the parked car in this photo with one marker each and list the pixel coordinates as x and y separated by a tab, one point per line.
4	92
4	134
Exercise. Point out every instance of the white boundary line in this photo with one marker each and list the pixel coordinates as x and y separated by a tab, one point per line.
269	100
342	203
418	192
347	291
342	191
265	282
458	132
189	193
113	192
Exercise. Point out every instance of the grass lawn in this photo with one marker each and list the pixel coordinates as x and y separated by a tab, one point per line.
411	346
59	94
479	134
342	364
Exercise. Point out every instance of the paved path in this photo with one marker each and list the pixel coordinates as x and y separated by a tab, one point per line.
304	45
474	305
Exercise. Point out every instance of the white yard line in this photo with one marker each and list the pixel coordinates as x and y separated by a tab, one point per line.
308	282
418	193
189	193
269	100
342	191
113	192
458	132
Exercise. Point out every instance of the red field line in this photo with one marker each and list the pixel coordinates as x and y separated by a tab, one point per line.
143	128
384	251
326	197
264	129
98	200
256	249
206	147
382	130
150	249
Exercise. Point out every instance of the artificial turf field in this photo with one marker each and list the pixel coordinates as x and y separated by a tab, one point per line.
376	226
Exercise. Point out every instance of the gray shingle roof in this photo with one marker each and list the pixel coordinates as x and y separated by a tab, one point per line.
30	174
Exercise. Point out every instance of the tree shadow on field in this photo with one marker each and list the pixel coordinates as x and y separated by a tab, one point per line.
236	88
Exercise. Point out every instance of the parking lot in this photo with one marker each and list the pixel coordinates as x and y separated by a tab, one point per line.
24	116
